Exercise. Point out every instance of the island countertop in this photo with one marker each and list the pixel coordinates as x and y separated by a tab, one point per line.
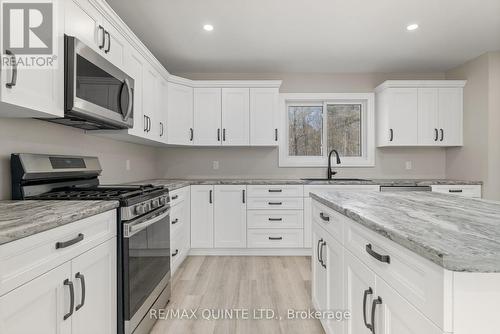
459	234
19	219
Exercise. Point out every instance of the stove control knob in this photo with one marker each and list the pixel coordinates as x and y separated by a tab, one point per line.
162	201
139	209
155	203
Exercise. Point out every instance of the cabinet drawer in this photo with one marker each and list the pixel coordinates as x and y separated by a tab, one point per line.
275	219
275	191
472	191
338	187
330	220
279	238
420	281
27	258
179	196
278	203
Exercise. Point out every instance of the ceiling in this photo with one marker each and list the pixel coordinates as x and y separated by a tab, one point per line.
327	36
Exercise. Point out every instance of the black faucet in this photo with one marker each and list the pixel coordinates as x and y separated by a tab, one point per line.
330	173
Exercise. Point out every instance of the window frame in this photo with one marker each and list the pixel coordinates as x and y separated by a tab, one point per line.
367	100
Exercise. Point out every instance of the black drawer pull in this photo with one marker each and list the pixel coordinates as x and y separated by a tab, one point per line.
82	279
379	257
275	238
72	298
275	190
64	244
375	302
275	219
455	190
324	217
175	197
176	252
275	203
175	221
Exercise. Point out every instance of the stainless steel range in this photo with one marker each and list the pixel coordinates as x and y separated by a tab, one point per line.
143	227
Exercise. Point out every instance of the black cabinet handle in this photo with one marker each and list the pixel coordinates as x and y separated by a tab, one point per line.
161	129
64	244
109	42
223	134
176	252
379	257
318	251
13	79
175	197
82	280
210	197
436	134
324	217
375	302
149	123
455	190
275	190
367	292
391	133
145	123
71	296
243	196
218	134
442	134
191	134
322	261
101	28
274	203
275	238
175	221
275	134
275	219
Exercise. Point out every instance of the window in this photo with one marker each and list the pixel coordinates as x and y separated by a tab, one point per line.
317	123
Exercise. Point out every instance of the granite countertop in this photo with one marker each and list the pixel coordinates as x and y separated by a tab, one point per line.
457	233
173	184
20	219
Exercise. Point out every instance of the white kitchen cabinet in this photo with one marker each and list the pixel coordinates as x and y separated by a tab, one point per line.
150	100
82	21
202	216
180	226
235	116
264	116
464	190
162	110
38	306
180	129
319	275
207	116
230	216
115	45
136	65
420	113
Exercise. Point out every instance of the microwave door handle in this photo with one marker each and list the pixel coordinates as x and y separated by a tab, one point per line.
126	83
131	228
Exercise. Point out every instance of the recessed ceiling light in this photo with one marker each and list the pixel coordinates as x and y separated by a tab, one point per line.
208	27
412	27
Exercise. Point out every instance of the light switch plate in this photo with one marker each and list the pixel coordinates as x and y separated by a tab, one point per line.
215	165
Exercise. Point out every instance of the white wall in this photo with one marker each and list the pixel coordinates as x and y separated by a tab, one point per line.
263	162
35	136
479	158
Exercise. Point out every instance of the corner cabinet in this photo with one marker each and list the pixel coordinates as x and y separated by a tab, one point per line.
180	129
420	113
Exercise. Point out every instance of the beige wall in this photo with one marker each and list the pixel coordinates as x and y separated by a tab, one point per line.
479	158
34	136
263	162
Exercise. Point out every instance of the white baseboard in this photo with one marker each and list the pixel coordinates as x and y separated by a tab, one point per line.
251	251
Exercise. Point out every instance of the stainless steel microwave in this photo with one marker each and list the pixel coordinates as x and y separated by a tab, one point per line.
97	94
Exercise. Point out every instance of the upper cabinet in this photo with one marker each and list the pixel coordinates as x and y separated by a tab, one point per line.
207	116
420	113
180	129
236	116
264	116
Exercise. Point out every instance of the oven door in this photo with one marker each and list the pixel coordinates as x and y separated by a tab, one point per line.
95	89
146	263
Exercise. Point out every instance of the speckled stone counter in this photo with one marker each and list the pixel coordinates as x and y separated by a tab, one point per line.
173	184
20	219
456	233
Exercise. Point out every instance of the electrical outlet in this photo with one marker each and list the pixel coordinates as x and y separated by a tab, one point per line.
127	164
215	165
409	165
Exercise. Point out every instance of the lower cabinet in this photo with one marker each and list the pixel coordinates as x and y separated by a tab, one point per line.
180	225
202	216
78	296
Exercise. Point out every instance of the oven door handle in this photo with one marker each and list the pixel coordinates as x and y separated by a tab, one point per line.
133	228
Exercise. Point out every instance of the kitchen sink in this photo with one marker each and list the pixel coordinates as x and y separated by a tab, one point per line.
335	179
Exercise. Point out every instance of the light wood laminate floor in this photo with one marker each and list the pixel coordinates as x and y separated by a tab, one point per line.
241	282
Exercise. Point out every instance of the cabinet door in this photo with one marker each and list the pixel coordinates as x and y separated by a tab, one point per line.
82	20
450	116
235	116
307	222
319	277
428	128
115	45
334	262
396	315
264	116
207	116
95	272
38	306
135	63
403	117
358	281
163	110
202	216
180	114
150	102
230	217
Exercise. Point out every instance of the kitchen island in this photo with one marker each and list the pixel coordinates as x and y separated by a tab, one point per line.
406	262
